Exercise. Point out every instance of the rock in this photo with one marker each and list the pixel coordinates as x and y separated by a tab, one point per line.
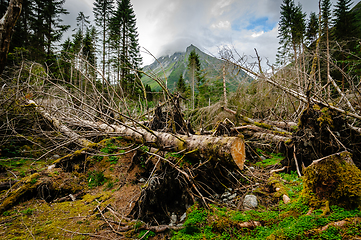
183	217
173	219
51	167
226	194
286	199
234	195
250	202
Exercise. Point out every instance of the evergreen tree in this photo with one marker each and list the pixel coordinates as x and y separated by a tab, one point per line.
46	25
181	84
82	22
124	42
52	21
325	23
194	67
312	28
291	28
344	22
148	91
345	30
89	53
102	12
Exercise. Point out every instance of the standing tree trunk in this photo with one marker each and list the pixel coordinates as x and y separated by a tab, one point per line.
7	23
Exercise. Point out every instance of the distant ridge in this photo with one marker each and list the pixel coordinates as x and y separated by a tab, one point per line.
176	64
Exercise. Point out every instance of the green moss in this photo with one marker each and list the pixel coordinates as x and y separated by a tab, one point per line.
277	185
275	159
333	180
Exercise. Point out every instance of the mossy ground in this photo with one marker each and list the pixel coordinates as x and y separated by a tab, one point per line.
295	220
112	180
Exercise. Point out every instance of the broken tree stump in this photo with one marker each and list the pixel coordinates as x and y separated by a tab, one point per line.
333	180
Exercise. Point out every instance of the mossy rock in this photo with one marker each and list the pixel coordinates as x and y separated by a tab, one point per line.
334	180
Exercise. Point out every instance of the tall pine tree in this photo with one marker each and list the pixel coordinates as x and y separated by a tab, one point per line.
194	67
124	42
325	23
102	12
312	28
291	29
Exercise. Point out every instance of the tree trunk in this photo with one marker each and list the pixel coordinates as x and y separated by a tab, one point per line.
229	151
7	23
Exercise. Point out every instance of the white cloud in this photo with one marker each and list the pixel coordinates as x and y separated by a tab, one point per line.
257	34
166	26
222	25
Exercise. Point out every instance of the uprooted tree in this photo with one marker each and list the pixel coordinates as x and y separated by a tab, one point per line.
180	167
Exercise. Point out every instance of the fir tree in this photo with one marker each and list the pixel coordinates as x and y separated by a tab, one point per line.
291	28
124	42
344	32
325	23
312	28
46	25
102	12
82	22
53	28
181	84
344	21
194	67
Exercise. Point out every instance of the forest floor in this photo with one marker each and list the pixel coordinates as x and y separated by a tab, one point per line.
95	199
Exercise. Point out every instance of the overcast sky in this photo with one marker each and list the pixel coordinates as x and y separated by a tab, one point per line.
167	26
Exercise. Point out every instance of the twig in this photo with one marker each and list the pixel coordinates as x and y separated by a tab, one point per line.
86	234
294	156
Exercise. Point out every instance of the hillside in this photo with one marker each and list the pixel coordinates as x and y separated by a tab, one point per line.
176	65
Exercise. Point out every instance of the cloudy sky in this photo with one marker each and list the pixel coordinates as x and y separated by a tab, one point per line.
167	26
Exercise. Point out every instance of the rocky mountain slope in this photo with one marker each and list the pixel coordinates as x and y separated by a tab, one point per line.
176	65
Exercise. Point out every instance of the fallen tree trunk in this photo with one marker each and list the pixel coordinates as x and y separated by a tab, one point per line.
228	150
259	124
59	126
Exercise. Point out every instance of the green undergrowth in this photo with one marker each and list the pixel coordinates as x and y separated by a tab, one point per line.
271	159
295	220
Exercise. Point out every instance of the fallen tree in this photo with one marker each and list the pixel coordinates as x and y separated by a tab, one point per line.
229	151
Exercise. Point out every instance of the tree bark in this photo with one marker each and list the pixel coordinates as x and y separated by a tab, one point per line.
7	23
229	151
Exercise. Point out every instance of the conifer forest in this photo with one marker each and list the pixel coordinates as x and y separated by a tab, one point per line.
95	144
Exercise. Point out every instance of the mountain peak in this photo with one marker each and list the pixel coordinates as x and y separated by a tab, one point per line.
191	47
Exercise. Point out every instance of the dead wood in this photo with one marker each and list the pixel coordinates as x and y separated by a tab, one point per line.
321	133
7	23
59	126
258	124
229	150
7	185
301	96
250	224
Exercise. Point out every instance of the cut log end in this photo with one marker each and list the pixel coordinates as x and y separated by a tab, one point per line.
238	152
